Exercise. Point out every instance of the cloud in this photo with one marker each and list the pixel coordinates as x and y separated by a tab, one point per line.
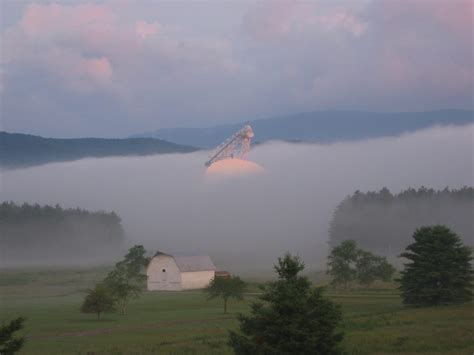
97	69
344	20
64	41
168	65
270	19
454	16
273	20
54	20
93	52
382	56
145	29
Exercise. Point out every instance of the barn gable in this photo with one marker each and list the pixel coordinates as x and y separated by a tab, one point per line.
163	274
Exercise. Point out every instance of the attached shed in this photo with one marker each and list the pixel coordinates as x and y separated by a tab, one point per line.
175	273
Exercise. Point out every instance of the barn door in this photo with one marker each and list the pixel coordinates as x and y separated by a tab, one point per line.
164	275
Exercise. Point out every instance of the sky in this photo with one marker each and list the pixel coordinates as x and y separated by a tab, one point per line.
167	203
116	68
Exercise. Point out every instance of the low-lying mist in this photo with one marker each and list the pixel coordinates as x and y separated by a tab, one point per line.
167	203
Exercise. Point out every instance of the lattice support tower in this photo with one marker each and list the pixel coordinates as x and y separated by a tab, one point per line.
236	146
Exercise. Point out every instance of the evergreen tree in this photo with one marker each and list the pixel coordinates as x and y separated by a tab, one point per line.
8	343
440	270
290	317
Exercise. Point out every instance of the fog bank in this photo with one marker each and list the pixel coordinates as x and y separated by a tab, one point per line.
167	203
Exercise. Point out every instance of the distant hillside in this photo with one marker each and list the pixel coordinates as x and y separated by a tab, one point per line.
320	126
18	150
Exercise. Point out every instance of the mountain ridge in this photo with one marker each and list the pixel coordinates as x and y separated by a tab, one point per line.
318	126
23	150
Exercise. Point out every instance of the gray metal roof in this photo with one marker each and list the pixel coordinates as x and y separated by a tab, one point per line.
194	263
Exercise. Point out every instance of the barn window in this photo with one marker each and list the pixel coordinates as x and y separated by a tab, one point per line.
164	270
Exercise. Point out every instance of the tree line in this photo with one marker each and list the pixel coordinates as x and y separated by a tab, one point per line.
56	233
383	222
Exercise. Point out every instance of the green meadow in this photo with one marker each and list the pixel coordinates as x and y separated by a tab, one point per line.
375	321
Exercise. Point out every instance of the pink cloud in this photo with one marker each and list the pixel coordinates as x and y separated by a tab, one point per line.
66	33
431	54
342	19
98	70
144	29
41	20
456	15
94	47
270	19
76	72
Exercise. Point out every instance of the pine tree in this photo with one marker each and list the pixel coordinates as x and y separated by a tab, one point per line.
8	343
290	317
440	270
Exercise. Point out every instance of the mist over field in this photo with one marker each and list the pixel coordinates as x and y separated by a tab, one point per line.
167	203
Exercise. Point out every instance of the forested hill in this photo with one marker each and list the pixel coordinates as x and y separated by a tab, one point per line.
319	126
18	150
384	222
34	234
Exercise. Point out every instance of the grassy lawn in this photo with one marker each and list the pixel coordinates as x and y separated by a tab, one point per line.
375	321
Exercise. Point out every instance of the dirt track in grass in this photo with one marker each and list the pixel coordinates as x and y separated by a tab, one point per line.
101	331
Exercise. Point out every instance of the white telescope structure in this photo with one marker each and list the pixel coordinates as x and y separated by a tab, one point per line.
236	146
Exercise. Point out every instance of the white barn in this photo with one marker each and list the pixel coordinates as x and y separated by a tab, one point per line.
175	273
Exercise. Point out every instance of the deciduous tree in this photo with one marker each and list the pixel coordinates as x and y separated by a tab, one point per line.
126	280
231	287
342	263
348	263
370	267
98	300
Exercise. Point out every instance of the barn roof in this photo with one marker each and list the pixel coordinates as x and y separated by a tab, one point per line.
187	263
194	263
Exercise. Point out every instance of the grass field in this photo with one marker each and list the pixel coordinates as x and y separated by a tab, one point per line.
375	321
